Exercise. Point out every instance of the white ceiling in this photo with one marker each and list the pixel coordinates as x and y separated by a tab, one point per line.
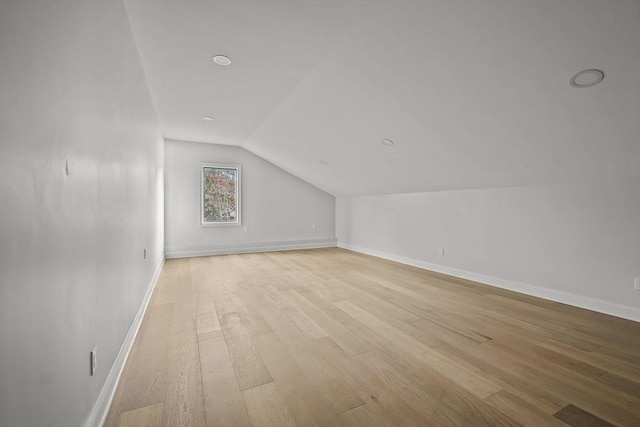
475	94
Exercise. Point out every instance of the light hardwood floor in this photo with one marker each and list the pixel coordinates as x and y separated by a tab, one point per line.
330	337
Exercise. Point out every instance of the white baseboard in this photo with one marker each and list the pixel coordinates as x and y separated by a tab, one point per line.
601	306
243	248
101	408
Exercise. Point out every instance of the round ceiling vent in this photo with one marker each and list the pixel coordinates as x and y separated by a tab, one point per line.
222	60
586	78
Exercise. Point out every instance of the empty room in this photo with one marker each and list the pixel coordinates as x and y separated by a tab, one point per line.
319	213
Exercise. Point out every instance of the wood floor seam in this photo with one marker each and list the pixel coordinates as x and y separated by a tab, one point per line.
351	409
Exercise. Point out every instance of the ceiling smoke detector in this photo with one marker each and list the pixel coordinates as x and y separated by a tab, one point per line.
586	78
222	60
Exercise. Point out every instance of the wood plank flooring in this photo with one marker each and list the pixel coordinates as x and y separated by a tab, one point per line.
329	337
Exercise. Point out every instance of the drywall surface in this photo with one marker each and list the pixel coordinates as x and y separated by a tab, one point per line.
576	243
278	209
81	196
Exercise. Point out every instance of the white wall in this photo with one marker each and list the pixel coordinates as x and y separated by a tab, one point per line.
72	273
278	209
579	244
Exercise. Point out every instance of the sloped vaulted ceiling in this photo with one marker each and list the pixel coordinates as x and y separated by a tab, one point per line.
474	94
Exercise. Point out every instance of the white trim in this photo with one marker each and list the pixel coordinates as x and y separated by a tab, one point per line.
101	408
601	306
242	248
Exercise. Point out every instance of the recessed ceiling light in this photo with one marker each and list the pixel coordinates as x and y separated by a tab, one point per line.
208	118
586	78
387	142
222	60
323	163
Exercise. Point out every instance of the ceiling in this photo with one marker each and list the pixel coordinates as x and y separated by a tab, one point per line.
474	94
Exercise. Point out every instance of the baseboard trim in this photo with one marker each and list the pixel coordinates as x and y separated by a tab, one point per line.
243	248
593	304
101	408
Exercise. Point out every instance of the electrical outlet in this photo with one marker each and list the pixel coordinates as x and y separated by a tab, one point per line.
441	251
636	284
93	361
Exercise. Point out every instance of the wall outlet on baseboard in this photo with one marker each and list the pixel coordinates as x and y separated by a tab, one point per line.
93	361
636	284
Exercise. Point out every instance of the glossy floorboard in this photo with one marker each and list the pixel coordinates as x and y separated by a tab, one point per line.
330	337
